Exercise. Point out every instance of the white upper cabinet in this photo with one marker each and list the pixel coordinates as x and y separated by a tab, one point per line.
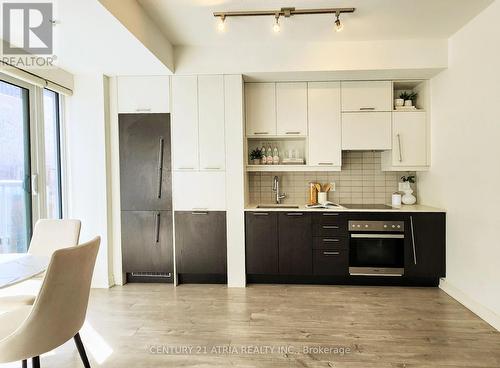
260	109
143	94
211	122
366	131
366	96
325	148
185	123
291	109
409	142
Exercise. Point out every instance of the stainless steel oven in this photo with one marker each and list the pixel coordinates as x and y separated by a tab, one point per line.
376	248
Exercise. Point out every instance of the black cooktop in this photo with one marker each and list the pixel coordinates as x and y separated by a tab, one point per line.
367	206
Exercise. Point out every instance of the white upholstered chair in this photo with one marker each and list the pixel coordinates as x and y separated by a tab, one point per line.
49	235
58	312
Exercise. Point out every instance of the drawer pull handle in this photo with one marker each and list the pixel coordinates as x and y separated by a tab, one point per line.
292	132
325	163
144	109
331	240
330	214
199	213
261	133
294	214
330	227
367	108
261	214
331	253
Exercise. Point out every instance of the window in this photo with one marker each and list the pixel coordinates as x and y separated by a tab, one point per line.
15	169
30	160
52	154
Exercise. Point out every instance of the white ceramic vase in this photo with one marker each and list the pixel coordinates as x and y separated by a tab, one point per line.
408	197
399	102
408	103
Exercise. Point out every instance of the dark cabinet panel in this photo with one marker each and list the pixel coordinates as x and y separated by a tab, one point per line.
331	262
425	245
145	177
329	224
200	242
295	243
330	242
261	238
147	241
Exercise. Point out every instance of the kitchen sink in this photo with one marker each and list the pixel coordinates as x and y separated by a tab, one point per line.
277	206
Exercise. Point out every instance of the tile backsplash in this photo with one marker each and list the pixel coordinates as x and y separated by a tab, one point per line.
361	181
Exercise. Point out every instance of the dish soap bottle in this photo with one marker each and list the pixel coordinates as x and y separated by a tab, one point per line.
276	157
263	160
269	157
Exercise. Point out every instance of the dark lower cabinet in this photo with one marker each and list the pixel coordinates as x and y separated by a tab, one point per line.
261	238
295	243
426	245
200	246
147	241
331	262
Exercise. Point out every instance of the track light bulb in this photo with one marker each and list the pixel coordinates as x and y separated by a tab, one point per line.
221	26
276	27
338	24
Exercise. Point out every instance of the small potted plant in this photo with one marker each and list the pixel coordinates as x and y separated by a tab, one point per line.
256	156
405	187
408	98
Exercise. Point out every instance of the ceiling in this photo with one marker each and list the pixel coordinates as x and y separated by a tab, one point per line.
191	23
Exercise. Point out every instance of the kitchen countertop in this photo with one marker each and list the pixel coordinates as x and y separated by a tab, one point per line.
303	208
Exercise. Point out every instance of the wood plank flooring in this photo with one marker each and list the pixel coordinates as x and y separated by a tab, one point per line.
153	325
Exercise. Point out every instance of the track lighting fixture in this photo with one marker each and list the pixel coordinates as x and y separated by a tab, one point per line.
221	26
283	12
276	26
338	24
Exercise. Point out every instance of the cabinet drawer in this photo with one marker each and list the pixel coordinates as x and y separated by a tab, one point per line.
367	96
331	262
334	230
329	242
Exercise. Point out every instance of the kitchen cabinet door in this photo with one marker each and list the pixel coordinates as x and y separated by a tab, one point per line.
291	109
211	122
145	175
147	241
261	243
185	123
200	242
143	94
425	249
366	96
366	131
199	190
295	243
409	141
260	109
325	134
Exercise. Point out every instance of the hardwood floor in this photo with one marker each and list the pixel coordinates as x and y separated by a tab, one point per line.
135	325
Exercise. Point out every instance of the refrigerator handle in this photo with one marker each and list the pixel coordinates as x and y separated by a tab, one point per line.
157	228
160	167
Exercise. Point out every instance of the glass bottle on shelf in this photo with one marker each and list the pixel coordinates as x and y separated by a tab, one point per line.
276	157
269	157
263	160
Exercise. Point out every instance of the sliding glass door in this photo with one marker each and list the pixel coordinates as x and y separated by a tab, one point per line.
15	169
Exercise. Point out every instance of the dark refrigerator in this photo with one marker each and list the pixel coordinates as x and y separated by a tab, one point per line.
146	197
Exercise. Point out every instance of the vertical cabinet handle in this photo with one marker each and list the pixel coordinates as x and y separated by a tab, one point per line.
157	228
399	147
160	167
413	241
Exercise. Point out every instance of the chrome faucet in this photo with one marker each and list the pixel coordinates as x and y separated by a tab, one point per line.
276	188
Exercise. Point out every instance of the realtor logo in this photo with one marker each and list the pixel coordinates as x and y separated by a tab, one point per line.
27	28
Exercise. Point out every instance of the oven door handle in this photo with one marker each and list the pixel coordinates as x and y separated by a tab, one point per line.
378	236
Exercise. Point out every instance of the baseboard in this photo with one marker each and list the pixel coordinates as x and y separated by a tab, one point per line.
481	311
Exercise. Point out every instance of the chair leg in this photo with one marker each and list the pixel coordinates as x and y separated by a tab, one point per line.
81	350
36	362
24	363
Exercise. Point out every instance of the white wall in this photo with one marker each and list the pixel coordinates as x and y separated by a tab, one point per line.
465	172
313	56
85	140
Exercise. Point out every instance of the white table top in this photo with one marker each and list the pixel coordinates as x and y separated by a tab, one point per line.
17	267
